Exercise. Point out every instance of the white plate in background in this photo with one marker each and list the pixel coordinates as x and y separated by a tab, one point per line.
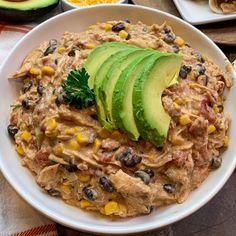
22	179
198	12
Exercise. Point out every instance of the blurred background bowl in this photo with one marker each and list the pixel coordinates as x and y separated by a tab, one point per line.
66	5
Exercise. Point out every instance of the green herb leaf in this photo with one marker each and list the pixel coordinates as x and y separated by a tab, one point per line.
76	90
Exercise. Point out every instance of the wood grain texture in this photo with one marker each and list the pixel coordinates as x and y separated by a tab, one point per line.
222	32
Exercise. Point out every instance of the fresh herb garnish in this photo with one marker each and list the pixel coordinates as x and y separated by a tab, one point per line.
76	90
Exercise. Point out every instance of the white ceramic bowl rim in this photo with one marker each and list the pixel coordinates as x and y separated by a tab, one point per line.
150	225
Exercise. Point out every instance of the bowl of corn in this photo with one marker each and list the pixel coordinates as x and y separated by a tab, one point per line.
73	4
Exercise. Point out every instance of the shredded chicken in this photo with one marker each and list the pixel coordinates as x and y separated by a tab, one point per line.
74	158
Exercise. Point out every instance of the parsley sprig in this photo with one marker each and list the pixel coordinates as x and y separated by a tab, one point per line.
76	90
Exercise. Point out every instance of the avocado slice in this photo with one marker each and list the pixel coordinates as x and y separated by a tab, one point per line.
112	76
99	55
26	10
122	101
98	81
159	71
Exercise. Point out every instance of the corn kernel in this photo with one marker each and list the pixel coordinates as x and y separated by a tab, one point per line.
90	45
211	129
26	136
204	56
108	27
65	188
61	50
184	119
193	77
82	139
23	125
84	203
102	211
83	177
34	71
179	101
51	124
226	141
123	34
216	109
58	149
179	41
48	70
20	150
97	144
73	144
177	140
77	129
122	208
91	27
69	131
72	131
111	208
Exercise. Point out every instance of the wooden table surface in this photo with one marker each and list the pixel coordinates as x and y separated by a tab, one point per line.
217	217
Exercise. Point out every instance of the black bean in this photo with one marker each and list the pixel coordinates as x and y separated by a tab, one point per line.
169	38
175	48
145	29
71	167
56	61
149	171
59	99
150	209
166	29
89	193
40	89
54	192
199	57
106	184
128	159
143	176
71	53
160	148
25	103
51	48
118	27
128	36
216	162
201	69
27	86
12	130
184	71
127	21
169	188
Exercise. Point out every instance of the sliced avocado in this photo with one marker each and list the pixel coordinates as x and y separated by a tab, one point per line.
99	55
98	81
151	119
26	10
122	102
112	76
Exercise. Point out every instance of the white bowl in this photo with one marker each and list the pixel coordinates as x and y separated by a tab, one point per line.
66	5
23	181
